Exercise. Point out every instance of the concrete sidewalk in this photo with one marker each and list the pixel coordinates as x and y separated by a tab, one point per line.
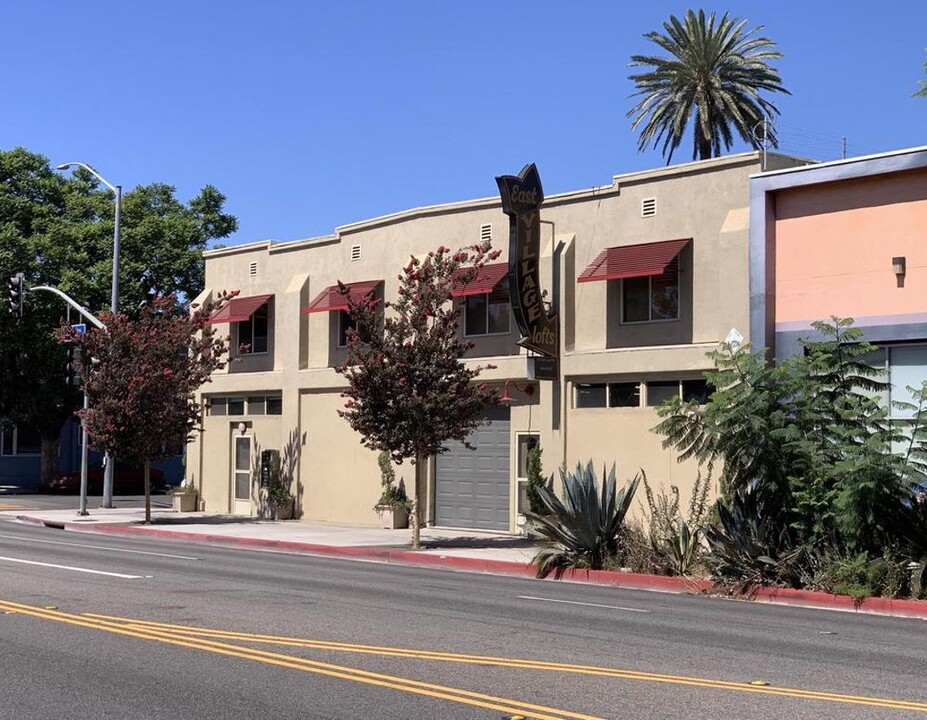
287	534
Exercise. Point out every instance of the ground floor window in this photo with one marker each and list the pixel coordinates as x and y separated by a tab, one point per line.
629	394
20	440
249	405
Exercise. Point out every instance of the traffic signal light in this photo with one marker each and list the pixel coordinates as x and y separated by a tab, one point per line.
73	360
16	287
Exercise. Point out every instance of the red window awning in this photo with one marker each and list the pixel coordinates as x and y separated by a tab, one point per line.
331	299
485	282
630	261
239	309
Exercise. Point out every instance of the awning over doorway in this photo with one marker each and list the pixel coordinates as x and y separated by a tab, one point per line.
630	261
486	281
239	309
331	299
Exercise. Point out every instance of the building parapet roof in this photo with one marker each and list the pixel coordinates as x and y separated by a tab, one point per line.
274	246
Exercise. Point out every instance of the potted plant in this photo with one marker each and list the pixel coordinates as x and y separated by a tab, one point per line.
394	505
184	497
279	501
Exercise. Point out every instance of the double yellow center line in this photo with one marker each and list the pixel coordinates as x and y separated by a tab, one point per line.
168	635
217	641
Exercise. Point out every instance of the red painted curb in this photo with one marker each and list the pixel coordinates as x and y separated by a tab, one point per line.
633	581
814	598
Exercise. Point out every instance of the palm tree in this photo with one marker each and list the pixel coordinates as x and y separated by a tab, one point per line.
715	71
923	83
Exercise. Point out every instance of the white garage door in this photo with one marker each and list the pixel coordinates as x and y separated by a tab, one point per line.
472	486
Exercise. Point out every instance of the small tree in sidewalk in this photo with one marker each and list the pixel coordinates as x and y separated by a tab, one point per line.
408	392
143	377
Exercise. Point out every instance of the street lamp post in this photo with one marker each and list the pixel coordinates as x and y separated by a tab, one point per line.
114	302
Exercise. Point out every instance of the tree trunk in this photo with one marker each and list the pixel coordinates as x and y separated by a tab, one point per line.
147	493
416	518
49	461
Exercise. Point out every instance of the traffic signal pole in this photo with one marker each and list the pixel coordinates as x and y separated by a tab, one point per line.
82	510
84	442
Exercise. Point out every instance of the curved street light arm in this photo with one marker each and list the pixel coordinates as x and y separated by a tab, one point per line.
73	303
88	168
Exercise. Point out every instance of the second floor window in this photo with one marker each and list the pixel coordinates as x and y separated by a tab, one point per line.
652	298
252	333
486	315
345	324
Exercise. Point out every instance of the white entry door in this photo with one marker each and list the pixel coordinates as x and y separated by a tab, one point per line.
241	474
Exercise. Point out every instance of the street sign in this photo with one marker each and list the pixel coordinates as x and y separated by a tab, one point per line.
80	328
542	368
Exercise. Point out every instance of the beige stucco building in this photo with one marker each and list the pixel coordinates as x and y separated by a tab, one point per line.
647	273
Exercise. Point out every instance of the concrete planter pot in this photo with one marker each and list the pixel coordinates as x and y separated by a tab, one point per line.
270	510
393	517
282	510
184	502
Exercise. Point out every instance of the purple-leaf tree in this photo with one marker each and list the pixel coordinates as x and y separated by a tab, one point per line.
409	393
141	376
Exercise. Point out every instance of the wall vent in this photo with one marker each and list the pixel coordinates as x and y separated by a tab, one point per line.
485	233
252	269
355	252
648	207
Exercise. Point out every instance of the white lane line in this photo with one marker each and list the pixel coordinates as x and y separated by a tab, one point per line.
574	602
99	547
75	569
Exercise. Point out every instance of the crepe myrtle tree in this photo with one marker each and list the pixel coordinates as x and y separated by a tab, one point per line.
141	376
408	391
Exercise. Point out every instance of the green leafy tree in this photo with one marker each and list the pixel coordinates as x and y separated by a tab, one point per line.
712	77
409	393
58	230
810	431
143	377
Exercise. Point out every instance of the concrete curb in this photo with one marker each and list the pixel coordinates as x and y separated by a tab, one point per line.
632	581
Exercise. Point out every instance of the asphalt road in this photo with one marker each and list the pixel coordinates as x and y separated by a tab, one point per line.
95	626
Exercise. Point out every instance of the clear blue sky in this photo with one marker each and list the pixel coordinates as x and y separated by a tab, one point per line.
311	115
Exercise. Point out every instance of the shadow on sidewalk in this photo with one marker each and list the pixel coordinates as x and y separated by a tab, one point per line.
477	543
204	520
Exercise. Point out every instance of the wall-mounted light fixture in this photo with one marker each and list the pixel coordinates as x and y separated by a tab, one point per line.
242	428
527	389
898	265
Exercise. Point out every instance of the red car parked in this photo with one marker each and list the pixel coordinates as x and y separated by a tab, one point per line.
126	481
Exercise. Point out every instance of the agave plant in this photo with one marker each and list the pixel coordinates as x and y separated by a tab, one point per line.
582	529
752	544
681	548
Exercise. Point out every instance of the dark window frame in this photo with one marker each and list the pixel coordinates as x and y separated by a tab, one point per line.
672	272
254	333
488	302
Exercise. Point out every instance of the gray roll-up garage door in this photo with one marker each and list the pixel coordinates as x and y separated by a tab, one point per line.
472	486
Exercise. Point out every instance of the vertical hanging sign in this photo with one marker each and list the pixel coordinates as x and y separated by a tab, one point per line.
522	196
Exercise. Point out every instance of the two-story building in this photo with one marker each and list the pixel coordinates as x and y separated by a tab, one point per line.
647	274
846	239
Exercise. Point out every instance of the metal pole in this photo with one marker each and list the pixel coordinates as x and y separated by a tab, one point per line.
83	458
114	308
114	301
